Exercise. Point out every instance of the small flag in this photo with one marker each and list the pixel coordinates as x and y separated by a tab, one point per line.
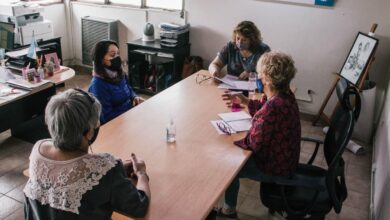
32	50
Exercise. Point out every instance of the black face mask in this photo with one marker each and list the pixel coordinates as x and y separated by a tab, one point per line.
95	134
116	64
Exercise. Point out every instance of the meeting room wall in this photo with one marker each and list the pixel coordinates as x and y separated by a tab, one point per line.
318	38
56	13
131	22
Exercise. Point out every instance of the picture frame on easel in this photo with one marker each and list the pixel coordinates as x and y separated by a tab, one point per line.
358	58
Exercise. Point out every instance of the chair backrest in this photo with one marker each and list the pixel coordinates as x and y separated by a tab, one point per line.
336	139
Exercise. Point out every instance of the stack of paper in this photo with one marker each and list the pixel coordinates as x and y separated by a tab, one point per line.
236	121
23	84
232	82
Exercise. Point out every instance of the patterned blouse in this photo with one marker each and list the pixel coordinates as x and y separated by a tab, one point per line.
275	134
236	64
91	186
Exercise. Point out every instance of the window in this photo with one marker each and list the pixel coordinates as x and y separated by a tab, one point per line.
33	1
167	4
126	2
164	4
93	1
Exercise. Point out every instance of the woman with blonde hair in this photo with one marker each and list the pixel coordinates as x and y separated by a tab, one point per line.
274	137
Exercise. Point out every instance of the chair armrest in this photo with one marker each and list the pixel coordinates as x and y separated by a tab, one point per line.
317	142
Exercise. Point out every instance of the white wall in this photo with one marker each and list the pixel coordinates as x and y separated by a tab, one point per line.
131	22
56	14
319	39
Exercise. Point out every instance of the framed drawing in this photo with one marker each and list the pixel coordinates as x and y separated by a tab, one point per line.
53	58
358	57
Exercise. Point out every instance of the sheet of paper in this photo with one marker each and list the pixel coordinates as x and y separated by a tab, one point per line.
5	75
225	86
234	116
7	93
18	53
245	85
228	79
240	125
214	123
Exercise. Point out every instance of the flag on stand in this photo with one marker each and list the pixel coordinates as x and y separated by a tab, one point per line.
32	50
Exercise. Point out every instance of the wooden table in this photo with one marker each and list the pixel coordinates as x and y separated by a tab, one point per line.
186	177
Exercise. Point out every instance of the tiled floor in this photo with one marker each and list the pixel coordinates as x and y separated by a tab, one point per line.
14	159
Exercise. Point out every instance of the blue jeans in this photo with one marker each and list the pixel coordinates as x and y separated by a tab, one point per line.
250	171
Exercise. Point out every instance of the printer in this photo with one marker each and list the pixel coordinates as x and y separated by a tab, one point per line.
28	21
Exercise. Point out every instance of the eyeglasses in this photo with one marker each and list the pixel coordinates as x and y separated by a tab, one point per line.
85	94
201	78
225	129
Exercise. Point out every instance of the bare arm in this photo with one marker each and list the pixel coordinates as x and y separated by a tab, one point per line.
215	67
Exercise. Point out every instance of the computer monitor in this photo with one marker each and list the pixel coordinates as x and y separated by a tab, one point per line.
7	35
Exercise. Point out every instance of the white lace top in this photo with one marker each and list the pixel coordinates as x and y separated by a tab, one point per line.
61	184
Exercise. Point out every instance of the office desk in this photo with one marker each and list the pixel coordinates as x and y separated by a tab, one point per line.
186	177
61	76
23	114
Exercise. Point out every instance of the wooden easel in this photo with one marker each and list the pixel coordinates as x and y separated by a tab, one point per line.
321	113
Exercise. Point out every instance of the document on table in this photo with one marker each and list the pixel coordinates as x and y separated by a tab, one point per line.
228	80
234	116
237	121
214	123
232	82
23	84
7	93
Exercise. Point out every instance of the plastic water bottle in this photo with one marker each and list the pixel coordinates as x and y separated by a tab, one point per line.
171	132
41	73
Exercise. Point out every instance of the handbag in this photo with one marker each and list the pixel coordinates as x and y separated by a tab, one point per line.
191	65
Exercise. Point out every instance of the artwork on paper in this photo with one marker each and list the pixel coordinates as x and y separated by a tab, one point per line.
358	57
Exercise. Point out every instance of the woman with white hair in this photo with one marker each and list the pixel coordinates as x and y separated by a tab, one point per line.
68	182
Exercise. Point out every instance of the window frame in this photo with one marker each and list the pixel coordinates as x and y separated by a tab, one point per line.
142	6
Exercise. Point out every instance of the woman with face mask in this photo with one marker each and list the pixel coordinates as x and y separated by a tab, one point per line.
68	182
241	54
109	84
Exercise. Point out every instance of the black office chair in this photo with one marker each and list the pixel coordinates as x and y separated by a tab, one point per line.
311	192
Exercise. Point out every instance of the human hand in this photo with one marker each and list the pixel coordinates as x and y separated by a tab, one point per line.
244	75
218	74
129	171
137	100
139	166
234	97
